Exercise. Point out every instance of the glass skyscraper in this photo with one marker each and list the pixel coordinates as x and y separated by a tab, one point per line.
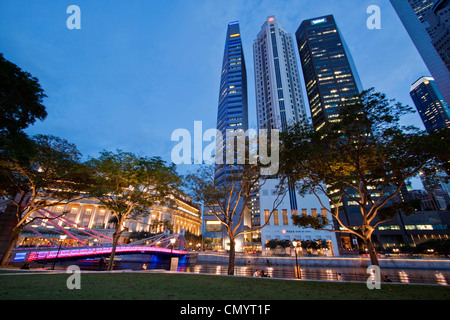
233	102
331	79
439	21
430	104
328	68
415	15
232	114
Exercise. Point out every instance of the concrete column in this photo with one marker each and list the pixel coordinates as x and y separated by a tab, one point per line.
93	216
79	213
107	217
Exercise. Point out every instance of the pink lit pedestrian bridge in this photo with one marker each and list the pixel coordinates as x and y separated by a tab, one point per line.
47	253
161	244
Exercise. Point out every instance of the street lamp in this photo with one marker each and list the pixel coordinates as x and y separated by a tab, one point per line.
173	261
61	237
297	271
172	241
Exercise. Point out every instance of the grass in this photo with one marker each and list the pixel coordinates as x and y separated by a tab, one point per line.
170	286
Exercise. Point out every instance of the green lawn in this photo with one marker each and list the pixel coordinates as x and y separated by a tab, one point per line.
169	286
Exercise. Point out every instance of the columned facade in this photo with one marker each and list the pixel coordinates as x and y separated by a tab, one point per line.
88	213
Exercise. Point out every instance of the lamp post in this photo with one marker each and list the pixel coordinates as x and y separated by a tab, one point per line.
297	271
61	238
173	261
172	241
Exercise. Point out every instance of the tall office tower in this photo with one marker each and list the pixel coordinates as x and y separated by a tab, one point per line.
331	79
279	97
328	68
279	104
233	105
439	21
415	15
232	115
430	104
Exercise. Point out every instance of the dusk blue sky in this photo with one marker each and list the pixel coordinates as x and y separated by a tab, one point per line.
138	70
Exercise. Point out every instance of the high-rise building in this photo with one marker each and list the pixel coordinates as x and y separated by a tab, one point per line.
430	104
439	21
277	80
328	68
279	98
416	16
331	79
279	104
232	114
233	103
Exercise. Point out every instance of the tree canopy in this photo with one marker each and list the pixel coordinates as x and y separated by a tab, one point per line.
48	173
229	202
21	99
128	185
364	155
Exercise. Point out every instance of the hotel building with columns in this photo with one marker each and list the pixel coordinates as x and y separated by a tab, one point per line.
89	213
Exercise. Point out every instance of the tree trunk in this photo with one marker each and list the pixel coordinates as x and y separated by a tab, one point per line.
15	237
231	257
373	257
372	252
10	231
116	237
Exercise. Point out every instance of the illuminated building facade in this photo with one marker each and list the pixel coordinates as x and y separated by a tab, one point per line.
281	227
328	68
279	104
430	104
279	97
88	213
232	111
331	79
232	114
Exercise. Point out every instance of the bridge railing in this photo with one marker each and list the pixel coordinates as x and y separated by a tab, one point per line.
97	251
160	243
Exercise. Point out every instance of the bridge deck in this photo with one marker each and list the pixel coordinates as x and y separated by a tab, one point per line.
46	254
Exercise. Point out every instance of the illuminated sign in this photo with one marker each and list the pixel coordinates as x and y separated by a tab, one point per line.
271	19
20	256
235	35
318	21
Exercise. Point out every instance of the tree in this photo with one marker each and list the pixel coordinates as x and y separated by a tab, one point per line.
440	142
162	225
21	101
229	202
193	240
275	243
48	172
364	156
128	185
272	244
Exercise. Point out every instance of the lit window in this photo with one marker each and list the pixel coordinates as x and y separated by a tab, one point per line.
276	220
285	217
266	216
